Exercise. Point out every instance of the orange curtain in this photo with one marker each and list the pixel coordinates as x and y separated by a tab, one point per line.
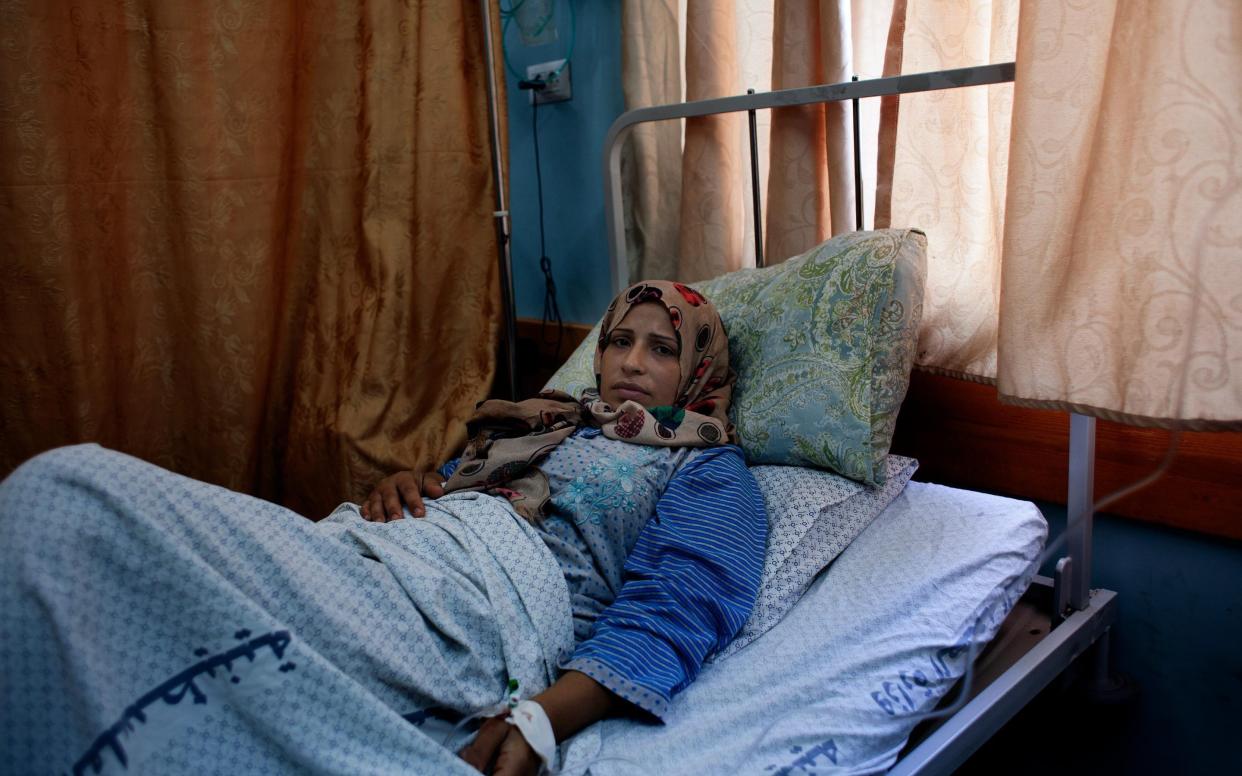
248	241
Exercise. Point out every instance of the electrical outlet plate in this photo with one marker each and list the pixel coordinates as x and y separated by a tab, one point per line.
558	89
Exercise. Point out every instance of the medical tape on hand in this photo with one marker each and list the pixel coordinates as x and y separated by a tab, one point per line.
532	722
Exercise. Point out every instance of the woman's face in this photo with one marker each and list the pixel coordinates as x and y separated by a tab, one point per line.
642	361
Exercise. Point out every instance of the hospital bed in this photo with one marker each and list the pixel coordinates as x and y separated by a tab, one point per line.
928	632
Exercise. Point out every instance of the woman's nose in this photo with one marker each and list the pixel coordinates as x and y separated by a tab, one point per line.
633	363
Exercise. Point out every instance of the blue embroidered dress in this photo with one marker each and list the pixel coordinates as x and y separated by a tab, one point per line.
662	549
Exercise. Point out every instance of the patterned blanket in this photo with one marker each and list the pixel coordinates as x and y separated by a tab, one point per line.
153	623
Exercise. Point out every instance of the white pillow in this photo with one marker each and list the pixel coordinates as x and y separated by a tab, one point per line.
812	516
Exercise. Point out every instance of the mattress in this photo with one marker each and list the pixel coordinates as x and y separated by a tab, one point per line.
879	638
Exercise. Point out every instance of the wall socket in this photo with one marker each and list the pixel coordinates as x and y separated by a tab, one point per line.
558	89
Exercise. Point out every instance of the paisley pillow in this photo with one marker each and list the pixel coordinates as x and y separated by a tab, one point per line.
823	345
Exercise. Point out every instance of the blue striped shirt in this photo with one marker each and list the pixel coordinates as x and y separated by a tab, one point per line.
688	587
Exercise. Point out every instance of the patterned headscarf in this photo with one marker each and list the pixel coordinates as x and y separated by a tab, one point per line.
508	438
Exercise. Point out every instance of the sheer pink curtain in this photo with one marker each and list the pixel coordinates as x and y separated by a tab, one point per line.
810	187
806	176
709	240
949	158
651	161
937	164
1122	280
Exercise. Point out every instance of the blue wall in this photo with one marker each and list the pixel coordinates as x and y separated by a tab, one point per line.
1180	632
1179	636
571	138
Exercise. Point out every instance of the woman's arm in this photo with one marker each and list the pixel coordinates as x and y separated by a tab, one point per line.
575	701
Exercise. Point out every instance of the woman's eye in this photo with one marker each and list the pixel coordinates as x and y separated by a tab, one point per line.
620	342
665	350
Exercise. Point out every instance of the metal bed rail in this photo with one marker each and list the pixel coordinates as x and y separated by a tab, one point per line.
808	95
949	746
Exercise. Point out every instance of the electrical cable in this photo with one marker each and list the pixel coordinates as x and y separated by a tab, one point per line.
551	307
551	310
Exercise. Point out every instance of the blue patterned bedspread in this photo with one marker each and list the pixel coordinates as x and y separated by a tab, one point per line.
153	623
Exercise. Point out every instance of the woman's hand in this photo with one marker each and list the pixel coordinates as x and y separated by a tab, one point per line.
574	701
501	749
384	503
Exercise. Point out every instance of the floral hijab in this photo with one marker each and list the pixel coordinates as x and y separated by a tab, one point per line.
508	438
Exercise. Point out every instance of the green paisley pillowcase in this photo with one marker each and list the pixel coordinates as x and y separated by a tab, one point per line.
823	345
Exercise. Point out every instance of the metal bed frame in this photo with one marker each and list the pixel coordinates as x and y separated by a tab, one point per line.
1059	618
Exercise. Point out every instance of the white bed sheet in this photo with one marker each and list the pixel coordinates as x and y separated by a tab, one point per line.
839	683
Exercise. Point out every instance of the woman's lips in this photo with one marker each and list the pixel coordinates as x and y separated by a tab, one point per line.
629	391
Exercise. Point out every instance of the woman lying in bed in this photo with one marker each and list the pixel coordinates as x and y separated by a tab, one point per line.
595	553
